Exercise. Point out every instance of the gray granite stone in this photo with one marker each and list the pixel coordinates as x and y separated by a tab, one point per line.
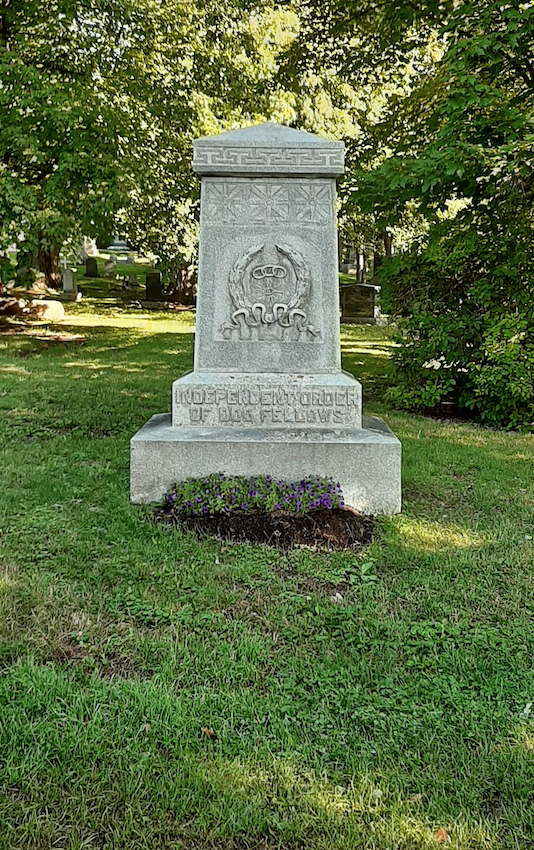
268	268
267	394
69	284
366	462
266	401
110	269
268	149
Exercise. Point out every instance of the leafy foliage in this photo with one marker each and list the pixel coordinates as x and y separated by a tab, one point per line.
467	290
64	116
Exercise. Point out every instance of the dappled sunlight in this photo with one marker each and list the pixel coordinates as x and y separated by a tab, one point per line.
130	367
296	801
7	580
424	535
145	323
500	446
100	367
14	370
360	349
522	735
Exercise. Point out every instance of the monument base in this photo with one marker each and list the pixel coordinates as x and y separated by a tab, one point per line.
366	462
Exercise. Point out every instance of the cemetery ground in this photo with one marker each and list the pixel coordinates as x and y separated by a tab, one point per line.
161	692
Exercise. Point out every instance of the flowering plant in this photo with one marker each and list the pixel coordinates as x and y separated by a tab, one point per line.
220	494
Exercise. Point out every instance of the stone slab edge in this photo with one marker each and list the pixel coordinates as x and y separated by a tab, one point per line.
367	462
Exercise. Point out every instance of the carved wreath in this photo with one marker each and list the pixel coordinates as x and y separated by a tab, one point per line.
286	315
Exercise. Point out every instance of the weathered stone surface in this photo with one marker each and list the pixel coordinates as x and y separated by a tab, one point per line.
47	309
366	462
70	284
273	246
360	302
267	394
110	269
268	149
266	401
154	291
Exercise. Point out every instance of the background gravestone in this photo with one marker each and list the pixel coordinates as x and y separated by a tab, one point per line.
110	269
267	394
360	302
69	284
154	290
91	268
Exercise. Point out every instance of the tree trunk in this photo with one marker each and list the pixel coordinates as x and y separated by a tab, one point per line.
48	262
388	244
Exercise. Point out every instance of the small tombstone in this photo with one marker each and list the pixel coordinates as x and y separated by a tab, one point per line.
360	303
110	269
154	291
91	267
132	280
70	284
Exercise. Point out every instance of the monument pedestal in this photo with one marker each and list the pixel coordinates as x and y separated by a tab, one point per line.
365	462
267	395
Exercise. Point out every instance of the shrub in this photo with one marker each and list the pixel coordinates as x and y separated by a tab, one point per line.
466	327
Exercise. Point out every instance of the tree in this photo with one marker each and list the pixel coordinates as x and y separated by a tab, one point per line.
64	118
216	71
467	290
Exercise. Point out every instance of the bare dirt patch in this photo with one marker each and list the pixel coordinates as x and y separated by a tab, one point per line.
331	529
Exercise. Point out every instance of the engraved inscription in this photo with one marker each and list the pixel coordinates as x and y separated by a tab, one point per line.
269	285
223	202
267	405
312	204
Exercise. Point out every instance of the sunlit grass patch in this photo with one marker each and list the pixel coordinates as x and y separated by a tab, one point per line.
427	536
147	323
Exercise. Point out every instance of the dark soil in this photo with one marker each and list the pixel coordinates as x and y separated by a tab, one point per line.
449	412
337	528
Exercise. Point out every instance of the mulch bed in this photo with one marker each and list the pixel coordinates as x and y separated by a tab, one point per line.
336	528
447	411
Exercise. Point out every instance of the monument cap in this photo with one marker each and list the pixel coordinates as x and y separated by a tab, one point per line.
268	150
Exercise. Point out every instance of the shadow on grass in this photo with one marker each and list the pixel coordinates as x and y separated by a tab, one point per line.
111	384
365	352
151	766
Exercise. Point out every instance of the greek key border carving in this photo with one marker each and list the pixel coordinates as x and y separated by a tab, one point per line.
227	156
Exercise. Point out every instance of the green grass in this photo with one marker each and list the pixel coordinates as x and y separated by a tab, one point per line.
366	724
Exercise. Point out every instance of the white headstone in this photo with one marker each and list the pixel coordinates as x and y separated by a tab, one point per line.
267	394
69	284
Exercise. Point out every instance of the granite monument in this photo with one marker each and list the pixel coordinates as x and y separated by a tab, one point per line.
267	394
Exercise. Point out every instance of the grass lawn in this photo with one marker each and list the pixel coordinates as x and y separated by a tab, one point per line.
157	692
